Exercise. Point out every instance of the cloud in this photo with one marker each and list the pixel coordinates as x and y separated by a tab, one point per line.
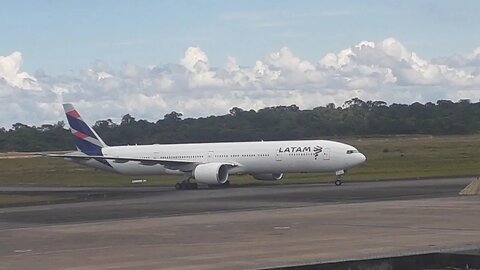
471	60
386	70
11	75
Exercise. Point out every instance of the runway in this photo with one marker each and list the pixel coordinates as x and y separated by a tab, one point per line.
251	227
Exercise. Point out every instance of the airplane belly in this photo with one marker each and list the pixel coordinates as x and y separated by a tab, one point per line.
266	166
247	166
300	165
308	164
137	169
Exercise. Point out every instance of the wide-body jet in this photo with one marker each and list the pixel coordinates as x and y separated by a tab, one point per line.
210	163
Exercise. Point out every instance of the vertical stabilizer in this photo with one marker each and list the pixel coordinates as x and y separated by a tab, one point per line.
86	138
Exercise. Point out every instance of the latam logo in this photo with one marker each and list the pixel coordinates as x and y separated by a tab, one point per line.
295	149
299	149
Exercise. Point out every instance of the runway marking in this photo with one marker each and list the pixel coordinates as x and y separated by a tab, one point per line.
281	228
22	250
440	229
60	251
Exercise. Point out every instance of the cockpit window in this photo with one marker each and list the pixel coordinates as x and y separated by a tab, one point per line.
351	151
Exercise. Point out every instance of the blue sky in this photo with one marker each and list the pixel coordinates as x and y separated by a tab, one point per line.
203	57
60	36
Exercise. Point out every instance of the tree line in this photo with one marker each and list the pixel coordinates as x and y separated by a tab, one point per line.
354	118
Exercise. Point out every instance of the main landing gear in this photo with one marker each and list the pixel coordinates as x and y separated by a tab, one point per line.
339	177
186	184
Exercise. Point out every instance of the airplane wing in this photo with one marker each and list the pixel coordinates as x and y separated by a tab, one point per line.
172	164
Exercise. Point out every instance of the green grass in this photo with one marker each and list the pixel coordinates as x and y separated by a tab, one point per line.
55	171
412	157
387	158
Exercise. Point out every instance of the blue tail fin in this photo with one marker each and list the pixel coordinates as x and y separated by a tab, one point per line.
86	138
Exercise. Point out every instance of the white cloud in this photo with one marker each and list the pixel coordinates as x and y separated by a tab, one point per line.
384	70
10	72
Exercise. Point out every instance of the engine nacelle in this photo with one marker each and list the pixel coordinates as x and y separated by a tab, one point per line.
211	173
268	176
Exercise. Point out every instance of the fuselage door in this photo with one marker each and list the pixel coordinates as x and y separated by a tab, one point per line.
210	155
326	154
279	156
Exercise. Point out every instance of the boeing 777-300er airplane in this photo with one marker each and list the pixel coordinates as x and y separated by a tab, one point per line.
210	163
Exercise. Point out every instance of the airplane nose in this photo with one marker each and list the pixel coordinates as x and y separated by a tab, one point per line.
362	158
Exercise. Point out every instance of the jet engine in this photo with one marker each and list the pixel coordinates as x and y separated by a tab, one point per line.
211	173
268	176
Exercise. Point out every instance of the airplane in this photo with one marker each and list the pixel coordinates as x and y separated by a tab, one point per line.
209	163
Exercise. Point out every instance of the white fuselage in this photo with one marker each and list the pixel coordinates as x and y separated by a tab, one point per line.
249	157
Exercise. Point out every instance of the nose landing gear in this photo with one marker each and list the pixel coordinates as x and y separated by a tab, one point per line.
339	177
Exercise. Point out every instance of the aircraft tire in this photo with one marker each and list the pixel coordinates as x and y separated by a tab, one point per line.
186	186
338	182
